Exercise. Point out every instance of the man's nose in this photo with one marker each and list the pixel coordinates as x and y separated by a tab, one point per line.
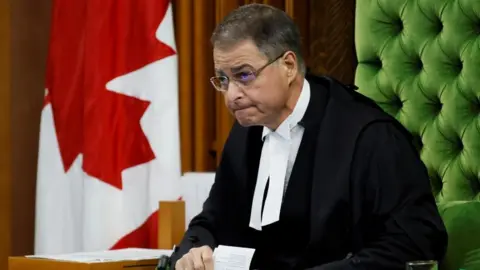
234	92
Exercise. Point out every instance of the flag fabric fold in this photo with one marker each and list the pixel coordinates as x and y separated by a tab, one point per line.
109	139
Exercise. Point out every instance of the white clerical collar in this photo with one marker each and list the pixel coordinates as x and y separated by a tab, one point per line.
273	165
296	116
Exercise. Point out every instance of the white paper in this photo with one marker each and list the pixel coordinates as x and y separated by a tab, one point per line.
232	258
108	256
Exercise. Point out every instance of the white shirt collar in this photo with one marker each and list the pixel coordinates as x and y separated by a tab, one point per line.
296	116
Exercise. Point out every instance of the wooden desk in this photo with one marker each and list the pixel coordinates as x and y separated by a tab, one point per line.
171	227
23	263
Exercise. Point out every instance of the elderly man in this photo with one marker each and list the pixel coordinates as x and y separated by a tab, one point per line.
313	175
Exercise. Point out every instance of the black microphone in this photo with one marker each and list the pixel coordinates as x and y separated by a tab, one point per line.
163	263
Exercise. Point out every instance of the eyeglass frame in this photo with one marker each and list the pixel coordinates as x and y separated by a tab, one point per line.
255	73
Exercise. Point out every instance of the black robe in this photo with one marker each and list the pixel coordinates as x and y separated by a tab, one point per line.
359	196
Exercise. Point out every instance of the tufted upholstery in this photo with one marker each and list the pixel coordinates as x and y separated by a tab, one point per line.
420	61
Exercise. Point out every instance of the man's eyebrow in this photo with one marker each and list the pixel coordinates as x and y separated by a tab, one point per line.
238	68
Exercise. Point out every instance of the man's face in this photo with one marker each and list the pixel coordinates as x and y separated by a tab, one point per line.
252	99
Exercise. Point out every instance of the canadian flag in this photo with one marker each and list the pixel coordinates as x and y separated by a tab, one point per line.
109	140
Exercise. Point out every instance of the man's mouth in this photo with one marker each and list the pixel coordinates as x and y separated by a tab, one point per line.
238	108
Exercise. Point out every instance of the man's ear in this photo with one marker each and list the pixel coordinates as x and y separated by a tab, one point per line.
290	64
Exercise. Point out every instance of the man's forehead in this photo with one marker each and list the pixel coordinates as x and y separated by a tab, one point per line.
234	47
235	56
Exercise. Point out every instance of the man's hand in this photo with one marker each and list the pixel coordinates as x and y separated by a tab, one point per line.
196	259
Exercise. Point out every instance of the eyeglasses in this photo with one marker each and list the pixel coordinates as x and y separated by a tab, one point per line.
242	79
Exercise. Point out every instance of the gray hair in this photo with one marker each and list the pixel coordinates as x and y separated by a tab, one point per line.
271	29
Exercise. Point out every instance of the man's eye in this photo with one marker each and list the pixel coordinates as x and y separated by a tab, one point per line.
244	76
223	80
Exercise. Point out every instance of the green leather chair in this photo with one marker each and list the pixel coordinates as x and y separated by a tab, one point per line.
420	61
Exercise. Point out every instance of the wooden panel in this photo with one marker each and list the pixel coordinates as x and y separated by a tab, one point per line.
223	7
332	38
224	120
30	32
171	223
299	11
276	3
24	28
194	23
5	139
184	40
204	95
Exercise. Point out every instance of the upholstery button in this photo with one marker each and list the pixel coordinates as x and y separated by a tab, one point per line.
376	62
436	182
476	28
476	106
418	64
397	103
439	26
458	66
438	107
398	26
417	142
475	184
459	145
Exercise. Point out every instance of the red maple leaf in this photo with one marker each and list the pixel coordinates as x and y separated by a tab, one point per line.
93	42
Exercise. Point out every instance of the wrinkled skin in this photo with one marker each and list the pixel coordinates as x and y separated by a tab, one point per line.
271	97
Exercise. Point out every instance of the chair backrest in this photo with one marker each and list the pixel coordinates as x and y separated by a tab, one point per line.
420	61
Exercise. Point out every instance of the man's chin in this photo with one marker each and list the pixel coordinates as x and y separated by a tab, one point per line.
244	123
246	119
247	122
